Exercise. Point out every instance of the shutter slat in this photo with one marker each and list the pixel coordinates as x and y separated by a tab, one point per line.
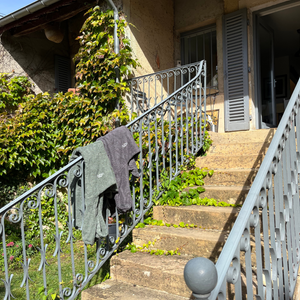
236	71
236	84
236	76
235	64
62	73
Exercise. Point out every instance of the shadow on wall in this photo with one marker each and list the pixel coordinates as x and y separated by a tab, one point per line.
34	55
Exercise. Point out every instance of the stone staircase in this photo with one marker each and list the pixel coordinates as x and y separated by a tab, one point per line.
235	157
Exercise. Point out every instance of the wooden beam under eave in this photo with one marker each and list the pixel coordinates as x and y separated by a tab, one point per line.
59	16
37	14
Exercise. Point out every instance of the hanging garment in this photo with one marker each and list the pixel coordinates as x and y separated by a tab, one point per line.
99	178
122	151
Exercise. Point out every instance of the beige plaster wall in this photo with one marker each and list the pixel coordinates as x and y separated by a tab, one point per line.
152	37
230	6
191	14
152	40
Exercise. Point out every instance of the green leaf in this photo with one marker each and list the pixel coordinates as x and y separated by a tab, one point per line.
211	172
133	249
200	189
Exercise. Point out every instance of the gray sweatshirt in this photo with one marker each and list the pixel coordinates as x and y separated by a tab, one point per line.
99	178
122	151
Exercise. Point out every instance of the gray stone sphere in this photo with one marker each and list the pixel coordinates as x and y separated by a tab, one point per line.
200	275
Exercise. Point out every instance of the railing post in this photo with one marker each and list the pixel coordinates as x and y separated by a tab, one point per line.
201	277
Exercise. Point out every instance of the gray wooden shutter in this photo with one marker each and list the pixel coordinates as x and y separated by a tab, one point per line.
62	73
236	90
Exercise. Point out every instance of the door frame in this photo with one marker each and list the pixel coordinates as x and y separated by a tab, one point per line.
260	12
258	80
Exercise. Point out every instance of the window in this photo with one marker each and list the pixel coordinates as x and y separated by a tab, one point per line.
201	44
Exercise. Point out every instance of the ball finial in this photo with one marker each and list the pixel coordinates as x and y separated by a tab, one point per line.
200	275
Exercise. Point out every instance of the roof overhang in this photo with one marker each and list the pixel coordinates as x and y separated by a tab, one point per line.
41	12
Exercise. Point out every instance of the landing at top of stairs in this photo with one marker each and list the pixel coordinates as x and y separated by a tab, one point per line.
252	136
237	150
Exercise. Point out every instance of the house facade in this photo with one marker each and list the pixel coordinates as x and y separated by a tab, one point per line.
252	49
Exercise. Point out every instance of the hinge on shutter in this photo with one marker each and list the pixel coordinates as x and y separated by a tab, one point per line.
249	69
248	22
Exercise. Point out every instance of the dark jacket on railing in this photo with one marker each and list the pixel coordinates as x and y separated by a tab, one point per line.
99	178
122	152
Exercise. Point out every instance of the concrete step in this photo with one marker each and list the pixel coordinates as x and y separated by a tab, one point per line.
116	290
164	273
188	241
229	194
231	177
252	136
244	148
206	217
217	162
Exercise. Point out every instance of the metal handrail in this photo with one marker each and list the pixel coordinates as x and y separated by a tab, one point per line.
173	95
270	217
179	126
148	90
179	68
74	162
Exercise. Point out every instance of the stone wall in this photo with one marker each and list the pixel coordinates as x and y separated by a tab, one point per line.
33	54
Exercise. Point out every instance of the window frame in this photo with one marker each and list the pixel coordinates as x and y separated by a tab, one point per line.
184	38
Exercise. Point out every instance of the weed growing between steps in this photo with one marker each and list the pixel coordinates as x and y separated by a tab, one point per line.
150	221
186	188
207	141
145	248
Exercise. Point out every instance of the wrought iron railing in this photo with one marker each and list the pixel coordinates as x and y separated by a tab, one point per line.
148	90
166	134
261	255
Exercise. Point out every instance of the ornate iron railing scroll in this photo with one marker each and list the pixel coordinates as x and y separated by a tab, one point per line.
148	90
260	258
167	134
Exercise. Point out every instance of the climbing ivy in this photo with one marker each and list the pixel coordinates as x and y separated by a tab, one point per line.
13	90
47	128
207	141
98	66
